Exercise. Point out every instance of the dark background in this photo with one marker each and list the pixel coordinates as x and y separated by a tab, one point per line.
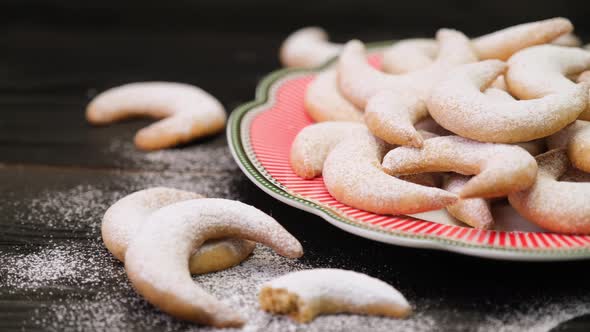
55	55
59	45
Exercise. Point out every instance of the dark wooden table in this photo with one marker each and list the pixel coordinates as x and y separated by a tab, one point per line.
58	174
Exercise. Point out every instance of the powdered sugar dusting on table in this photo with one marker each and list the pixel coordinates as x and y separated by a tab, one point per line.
106	301
197	157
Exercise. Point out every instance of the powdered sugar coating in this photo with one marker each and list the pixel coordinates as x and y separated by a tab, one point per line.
498	94
324	102
358	81
353	175
503	43
414	54
558	206
472	211
500	168
398	96
391	116
576	139
320	291
156	261
542	70
533	147
124	219
313	143
458	105
409	55
188	112
569	40
499	84
307	47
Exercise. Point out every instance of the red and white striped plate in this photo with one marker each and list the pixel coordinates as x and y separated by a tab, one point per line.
260	134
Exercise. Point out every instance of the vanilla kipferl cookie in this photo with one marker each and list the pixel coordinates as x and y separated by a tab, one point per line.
359	81
187	112
157	259
413	54
575	138
124	219
313	143
303	295
393	103
542	70
533	147
307	47
474	212
557	206
324	102
353	175
458	104
503	43
391	116
500	168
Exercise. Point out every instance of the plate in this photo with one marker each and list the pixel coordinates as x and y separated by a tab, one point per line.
260	134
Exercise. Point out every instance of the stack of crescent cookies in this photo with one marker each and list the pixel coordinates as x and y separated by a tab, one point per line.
451	122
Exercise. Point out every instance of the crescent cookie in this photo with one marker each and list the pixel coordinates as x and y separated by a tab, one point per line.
458	104
303	295
307	47
503	43
157	258
314	142
413	54
393	103
558	206
124	219
324	102
474	212
353	175
187	112
542	70
500	168
576	139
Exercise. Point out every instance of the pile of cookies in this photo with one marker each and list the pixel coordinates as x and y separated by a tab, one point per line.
447	123
451	123
163	235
